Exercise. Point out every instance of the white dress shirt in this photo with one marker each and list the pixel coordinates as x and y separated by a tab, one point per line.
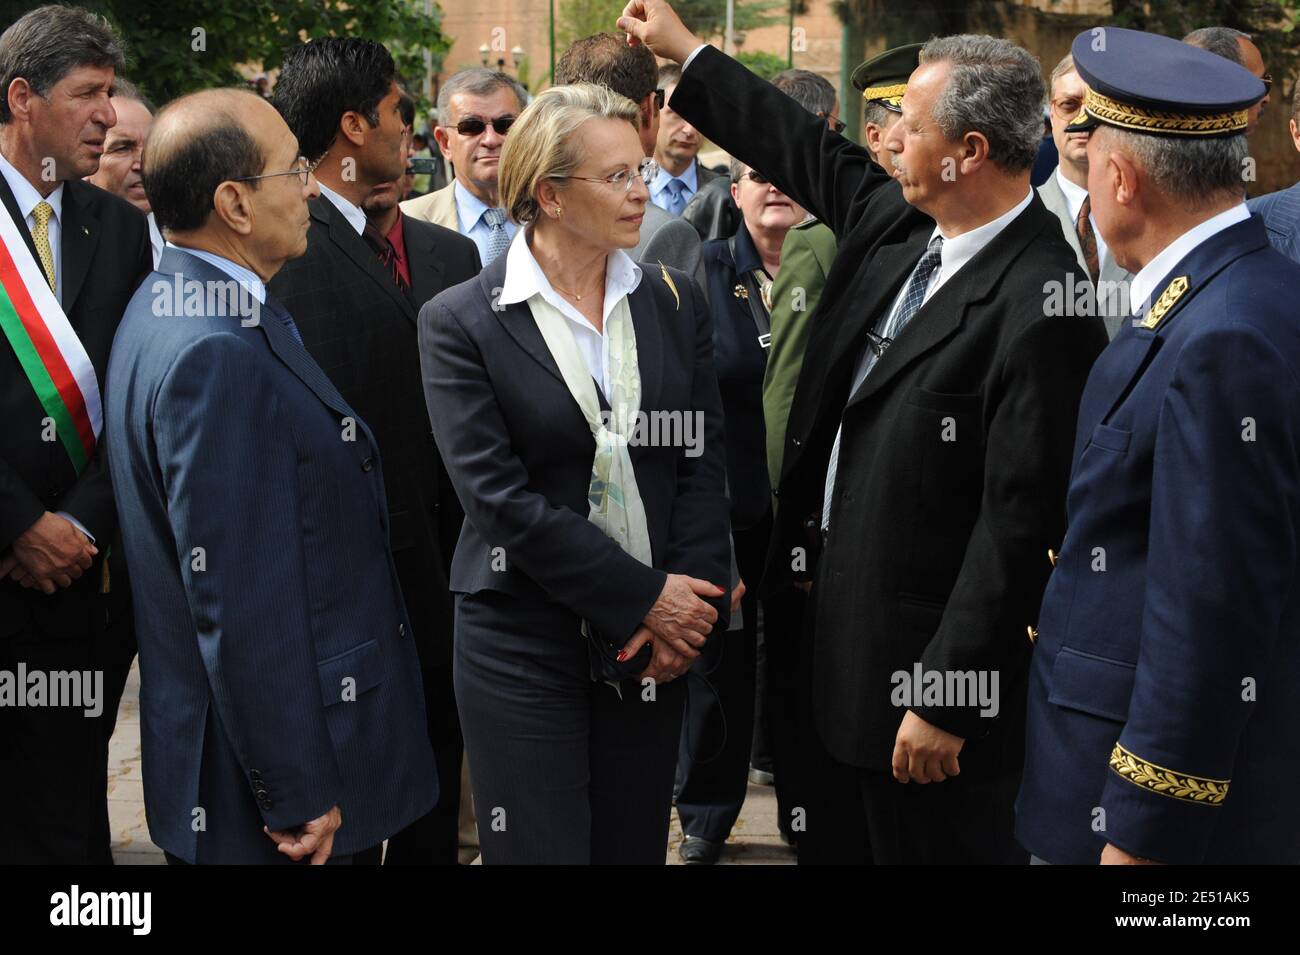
1143	285
353	213
28	198
525	278
953	254
1074	196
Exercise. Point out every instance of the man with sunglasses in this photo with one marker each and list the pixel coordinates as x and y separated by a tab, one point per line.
476	108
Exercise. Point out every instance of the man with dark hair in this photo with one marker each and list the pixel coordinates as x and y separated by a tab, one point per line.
1240	49
676	153
606	60
119	167
280	718
355	295
77	254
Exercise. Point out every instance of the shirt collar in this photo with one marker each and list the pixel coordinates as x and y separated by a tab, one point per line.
25	193
469	208
356	218
746	258
960	249
1074	194
1144	282
690	178
525	278
245	277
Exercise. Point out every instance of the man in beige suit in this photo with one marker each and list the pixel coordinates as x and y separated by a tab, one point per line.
476	108
1066	195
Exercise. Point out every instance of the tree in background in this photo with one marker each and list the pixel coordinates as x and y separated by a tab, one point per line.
766	65
179	48
706	18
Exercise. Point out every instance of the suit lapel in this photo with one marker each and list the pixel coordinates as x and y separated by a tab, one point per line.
295	357
516	319
1054	198
77	241
649	337
423	261
359	251
11	205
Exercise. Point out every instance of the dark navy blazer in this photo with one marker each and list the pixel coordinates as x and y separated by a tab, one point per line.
1163	712
278	675
741	362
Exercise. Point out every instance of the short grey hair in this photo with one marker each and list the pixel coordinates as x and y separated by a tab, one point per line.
1197	171
994	88
125	89
1065	66
878	113
478	81
46	44
1220	40
810	90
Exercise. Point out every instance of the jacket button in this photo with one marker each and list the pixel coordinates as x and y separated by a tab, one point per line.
368	464
1033	635
1051	556
796	442
401	629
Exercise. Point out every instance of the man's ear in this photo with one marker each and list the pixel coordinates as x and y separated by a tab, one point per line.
441	137
232	205
1122	176
974	152
19	94
1295	133
735	193
353	128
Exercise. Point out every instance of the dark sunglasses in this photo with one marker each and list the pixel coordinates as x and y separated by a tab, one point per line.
1267	80
475	126
659	99
836	124
757	178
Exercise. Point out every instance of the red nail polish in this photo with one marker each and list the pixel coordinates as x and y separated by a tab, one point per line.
622	655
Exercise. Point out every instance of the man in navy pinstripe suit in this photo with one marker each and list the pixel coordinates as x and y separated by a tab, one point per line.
282	715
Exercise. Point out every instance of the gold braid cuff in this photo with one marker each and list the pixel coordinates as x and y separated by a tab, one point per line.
1127	116
1193	789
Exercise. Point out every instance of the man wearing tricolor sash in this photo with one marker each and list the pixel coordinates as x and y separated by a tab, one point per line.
70	257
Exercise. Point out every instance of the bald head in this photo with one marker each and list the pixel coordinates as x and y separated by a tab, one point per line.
221	170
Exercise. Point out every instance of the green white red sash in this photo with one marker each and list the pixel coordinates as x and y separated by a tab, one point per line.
49	351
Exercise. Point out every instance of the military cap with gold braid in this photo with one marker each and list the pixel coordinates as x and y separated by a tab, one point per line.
1147	83
883	78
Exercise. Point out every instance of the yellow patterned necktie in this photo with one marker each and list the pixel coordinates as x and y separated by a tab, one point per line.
41	236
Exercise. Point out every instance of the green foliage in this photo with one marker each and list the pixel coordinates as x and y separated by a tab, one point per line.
168	56
707	18
766	65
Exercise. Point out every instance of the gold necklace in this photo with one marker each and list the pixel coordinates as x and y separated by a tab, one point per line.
573	295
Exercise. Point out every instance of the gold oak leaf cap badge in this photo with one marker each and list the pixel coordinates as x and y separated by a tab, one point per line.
668	280
1168	298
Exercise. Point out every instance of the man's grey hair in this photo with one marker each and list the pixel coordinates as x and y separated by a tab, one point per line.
1197	171
1220	40
125	89
994	88
810	90
478	81
46	44
878	113
1065	66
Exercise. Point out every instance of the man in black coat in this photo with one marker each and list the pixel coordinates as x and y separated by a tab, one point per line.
929	439
57	518
355	296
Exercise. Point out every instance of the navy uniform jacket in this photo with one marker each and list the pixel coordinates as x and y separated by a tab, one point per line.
278	673
1163	715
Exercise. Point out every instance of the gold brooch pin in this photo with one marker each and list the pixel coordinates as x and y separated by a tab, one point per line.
741	292
668	280
1172	293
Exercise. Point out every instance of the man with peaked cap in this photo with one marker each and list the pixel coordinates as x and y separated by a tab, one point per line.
882	80
1163	723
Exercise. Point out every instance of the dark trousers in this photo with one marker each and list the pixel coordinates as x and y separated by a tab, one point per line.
783	613
53	760
563	769
858	816
332	860
433	838
718	731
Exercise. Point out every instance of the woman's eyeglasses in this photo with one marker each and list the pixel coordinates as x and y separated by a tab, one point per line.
622	179
473	126
302	169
